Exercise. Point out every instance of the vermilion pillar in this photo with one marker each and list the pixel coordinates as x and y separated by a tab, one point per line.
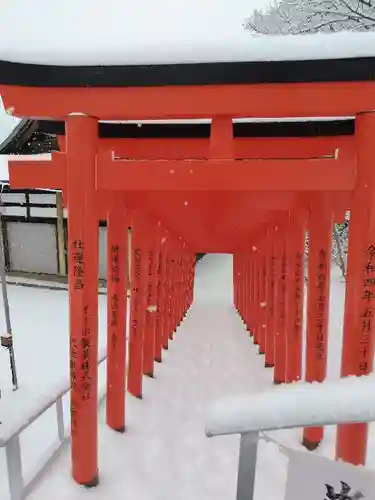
171	275
184	277
240	285
251	312
262	257
257	296
185	293
137	308
192	263
235	280
176	290
270	298
166	299
247	291
318	288
81	133
117	257
281	273
151	305
358	336
295	293
244	288
176	308
160	301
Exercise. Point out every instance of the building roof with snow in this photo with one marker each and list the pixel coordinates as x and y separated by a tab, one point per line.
155	33
137	44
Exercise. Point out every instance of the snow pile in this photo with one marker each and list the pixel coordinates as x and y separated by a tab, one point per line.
31	158
302	404
163	32
7	123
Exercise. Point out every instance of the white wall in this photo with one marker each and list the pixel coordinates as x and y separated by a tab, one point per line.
32	247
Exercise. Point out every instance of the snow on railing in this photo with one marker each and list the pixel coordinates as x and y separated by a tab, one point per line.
347	400
10	436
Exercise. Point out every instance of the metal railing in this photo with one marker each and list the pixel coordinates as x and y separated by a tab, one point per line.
347	400
19	488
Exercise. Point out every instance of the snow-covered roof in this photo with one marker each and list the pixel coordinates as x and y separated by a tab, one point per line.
7	124
127	32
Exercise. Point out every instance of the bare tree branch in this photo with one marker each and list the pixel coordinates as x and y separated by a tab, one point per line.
360	15
312	16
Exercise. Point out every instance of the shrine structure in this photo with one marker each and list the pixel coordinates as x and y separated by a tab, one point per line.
214	190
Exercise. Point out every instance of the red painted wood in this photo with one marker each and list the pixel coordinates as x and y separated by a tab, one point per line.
117	257
226	175
83	297
318	294
119	103
359	332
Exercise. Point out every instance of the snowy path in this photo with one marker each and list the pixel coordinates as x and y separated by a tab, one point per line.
164	454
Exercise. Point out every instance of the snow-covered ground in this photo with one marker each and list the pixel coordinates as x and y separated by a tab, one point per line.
164	454
41	342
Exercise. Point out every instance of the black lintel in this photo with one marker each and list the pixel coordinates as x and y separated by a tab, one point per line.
316	70
202	130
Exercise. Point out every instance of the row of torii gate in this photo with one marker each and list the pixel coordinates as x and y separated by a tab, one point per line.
252	197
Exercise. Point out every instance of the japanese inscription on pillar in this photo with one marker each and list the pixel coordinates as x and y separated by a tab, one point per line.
114	302
86	347
78	263
137	277
320	305
73	381
149	283
158	288
367	307
282	294
298	269
77	252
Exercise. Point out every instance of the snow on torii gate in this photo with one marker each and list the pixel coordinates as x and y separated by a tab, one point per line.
83	95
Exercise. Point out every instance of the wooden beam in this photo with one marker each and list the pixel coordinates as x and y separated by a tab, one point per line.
38	174
243	147
140	103
225	175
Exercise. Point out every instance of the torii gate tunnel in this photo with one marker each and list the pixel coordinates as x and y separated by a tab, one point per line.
213	191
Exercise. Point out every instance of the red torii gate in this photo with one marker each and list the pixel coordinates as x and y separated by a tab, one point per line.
318	147
220	171
285	170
